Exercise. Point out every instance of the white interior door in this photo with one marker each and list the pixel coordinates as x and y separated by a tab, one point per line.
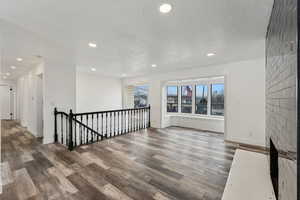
5	102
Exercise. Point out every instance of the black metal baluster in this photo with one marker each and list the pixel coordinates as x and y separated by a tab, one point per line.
106	126
75	132
110	132
135	124
118	131
130	121
62	129
55	125
114	123
126	122
67	133
102	124
142	118
70	139
87	132
139	121
81	134
121	122
133	121
92	127
97	126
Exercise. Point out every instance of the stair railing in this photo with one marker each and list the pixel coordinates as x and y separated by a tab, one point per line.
76	129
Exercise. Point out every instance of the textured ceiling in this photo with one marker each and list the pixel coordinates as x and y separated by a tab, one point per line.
131	35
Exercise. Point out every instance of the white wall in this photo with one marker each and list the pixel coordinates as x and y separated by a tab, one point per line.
27	98
59	91
96	93
244	97
201	123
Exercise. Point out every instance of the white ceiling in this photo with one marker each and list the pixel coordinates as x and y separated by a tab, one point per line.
131	35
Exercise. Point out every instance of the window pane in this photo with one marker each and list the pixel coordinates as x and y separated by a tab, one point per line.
201	99
217	99
172	99
141	96
186	99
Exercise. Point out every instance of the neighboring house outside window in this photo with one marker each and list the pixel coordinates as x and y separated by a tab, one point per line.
201	95
217	99
186	99
141	96
207	99
172	99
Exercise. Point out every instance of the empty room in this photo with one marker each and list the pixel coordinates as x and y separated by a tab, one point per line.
149	100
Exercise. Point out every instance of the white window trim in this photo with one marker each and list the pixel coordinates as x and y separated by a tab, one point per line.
193	83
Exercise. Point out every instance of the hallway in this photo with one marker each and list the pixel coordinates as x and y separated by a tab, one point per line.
172	163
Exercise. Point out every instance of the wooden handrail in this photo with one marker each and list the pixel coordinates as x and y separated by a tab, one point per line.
110	111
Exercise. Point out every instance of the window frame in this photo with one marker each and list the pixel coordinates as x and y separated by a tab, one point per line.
208	82
177	91
181	87
206	97
211	88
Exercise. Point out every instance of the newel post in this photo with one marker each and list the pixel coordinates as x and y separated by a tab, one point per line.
71	130
149	123
55	125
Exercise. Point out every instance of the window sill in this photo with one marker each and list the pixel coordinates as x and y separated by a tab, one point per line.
195	116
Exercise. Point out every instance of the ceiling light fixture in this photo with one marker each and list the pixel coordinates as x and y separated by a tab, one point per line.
154	65
92	45
93	69
210	54
4	77
20	59
13	67
123	75
165	8
7	74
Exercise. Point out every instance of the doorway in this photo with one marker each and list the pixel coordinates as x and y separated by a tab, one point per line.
7	102
40	105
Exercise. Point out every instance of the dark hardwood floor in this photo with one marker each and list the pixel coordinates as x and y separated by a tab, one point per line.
171	163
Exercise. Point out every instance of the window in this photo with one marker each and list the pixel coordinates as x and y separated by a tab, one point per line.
217	99
172	99
186	99
201	94
141	96
203	97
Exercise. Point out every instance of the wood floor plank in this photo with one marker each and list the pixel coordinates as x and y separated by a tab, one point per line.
24	185
154	164
6	174
64	184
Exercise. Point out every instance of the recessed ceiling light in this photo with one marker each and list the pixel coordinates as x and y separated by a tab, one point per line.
92	45
165	8
123	75
7	74
4	77
13	67
154	65
210	54
93	69
20	59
